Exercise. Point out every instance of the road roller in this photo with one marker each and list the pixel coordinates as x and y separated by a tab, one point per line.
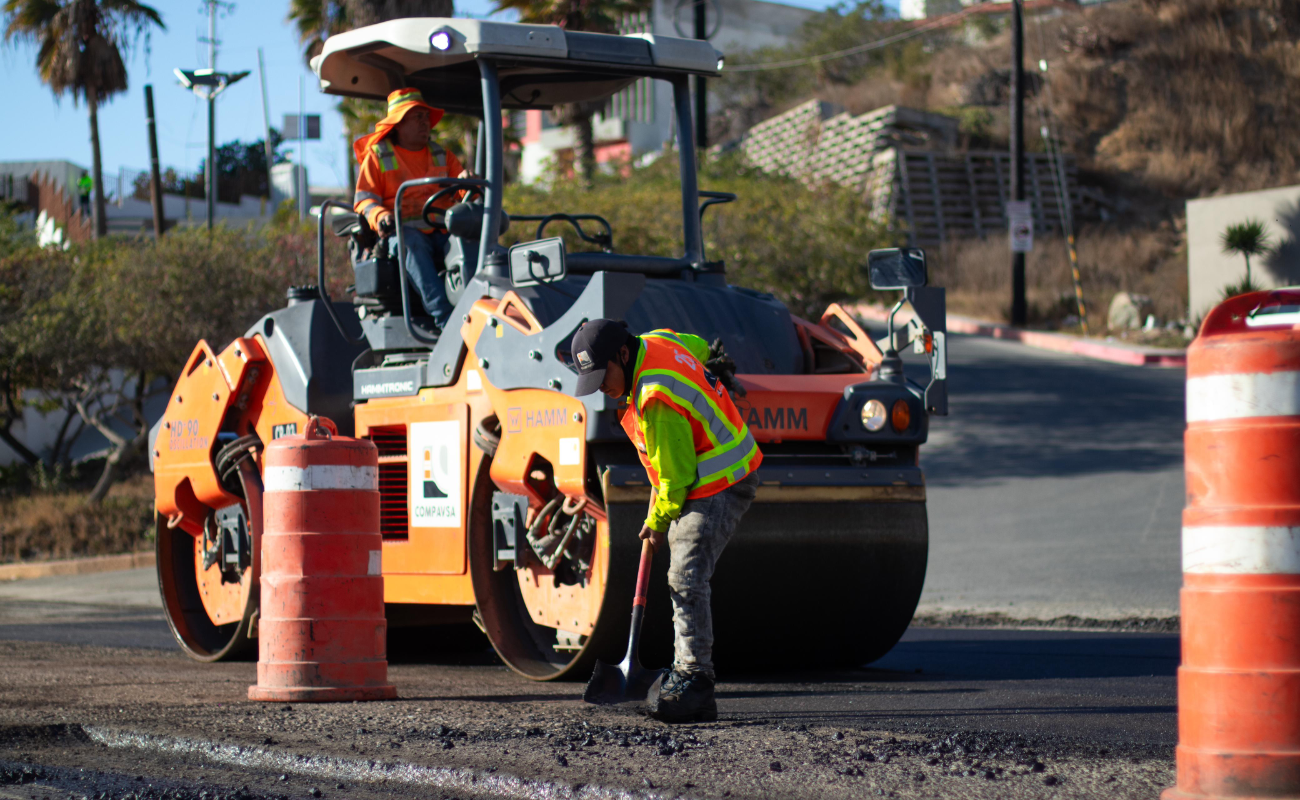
505	502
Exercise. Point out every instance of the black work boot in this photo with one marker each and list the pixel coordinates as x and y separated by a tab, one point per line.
685	697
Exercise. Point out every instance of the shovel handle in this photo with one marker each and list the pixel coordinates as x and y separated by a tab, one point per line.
643	572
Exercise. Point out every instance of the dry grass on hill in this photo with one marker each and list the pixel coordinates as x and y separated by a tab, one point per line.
977	274
1186	98
55	525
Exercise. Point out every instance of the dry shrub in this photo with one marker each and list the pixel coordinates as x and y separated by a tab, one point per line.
45	526
1192	97
977	274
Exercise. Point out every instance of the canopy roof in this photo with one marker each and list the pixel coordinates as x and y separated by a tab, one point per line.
539	66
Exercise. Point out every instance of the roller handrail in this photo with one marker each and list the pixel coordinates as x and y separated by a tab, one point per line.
401	244
320	269
713	199
604	242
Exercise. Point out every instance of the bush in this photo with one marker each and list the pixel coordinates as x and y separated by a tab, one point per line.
104	326
806	245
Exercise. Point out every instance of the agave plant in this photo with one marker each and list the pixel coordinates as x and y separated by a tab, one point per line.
1247	239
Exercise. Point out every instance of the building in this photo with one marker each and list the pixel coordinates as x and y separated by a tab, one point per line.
640	118
46	191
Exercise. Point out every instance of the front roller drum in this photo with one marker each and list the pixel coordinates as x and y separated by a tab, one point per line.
785	594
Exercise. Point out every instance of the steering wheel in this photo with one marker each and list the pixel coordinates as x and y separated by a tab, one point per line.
436	217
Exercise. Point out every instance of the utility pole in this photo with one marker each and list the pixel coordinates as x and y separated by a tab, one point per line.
266	122
1018	309
212	115
155	176
302	155
701	90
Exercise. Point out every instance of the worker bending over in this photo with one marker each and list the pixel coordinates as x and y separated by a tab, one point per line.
398	151
701	461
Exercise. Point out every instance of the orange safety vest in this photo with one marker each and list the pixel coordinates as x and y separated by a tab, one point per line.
381	175
667	372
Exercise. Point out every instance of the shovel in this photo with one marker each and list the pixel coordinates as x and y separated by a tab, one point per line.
628	681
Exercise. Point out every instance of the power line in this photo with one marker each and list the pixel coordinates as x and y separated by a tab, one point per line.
938	22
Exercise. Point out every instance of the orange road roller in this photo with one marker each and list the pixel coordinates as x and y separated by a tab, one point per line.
505	502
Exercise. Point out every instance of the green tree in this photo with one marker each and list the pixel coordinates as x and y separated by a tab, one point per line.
79	52
596	16
1246	239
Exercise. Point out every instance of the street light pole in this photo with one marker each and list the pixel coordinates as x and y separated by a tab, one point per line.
1018	307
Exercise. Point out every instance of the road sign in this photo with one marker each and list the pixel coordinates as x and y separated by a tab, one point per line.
311	129
1021	221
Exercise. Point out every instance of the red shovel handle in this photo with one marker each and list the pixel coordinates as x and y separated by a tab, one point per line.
643	573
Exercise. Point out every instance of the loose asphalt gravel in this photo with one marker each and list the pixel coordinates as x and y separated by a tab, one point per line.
1041	666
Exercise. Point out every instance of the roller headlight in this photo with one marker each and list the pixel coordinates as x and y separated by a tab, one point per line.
874	415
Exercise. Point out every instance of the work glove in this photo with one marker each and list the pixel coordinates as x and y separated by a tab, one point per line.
724	367
386	226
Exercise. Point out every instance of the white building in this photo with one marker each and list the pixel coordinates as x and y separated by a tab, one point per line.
640	118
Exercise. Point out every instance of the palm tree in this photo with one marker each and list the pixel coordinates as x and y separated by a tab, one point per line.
1246	239
79	51
596	16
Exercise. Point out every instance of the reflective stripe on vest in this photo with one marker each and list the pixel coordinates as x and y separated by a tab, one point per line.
673	376
387	158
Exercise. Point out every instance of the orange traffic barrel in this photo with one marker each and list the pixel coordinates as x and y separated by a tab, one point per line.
323	636
1239	682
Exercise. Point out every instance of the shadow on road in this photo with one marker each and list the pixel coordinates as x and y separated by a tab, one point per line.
1017	412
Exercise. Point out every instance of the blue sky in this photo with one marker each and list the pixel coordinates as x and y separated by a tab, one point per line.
59	130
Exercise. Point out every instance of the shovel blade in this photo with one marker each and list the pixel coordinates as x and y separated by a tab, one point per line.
625	683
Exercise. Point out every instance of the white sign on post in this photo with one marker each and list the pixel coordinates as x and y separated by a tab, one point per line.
1021	219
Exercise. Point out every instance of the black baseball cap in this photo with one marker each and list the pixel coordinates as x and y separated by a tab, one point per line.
594	345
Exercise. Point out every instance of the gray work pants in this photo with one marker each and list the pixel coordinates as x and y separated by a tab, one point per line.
695	540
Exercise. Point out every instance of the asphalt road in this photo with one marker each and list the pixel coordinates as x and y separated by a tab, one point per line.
1055	486
1055	489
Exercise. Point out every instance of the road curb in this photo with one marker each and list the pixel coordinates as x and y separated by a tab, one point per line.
1114	352
75	566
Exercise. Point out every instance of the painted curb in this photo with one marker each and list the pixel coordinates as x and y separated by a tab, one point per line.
75	566
1132	355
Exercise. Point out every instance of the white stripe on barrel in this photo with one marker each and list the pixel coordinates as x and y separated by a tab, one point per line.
321	477
1243	395
1242	550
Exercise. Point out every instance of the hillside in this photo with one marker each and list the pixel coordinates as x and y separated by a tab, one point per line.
1159	100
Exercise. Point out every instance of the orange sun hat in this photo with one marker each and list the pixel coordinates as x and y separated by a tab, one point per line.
399	103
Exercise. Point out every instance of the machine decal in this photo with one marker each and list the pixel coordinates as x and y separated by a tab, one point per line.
775	418
435	474
570	451
287	429
514	420
546	417
185	436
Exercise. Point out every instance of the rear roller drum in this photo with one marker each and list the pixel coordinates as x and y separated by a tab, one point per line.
209	583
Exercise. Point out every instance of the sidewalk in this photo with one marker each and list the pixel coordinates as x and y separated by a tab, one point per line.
1115	352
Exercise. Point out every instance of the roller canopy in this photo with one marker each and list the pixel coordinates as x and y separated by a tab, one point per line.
540	66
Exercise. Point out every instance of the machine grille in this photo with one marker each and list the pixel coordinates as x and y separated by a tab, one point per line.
393	480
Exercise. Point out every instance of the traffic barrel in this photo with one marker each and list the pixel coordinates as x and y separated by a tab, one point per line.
1239	682
323	635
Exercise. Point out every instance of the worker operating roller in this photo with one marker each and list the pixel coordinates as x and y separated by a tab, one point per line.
701	461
